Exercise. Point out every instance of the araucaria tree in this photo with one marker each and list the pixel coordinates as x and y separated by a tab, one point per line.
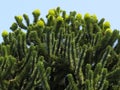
63	52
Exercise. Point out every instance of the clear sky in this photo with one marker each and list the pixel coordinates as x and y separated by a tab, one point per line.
109	9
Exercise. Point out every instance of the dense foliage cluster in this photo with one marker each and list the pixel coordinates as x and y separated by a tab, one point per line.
63	52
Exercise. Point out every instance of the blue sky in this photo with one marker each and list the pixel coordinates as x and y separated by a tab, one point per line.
109	9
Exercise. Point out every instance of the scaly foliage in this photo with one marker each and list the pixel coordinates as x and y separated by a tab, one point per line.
65	52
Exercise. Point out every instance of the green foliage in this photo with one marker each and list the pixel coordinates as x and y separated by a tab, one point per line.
65	52
4	33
